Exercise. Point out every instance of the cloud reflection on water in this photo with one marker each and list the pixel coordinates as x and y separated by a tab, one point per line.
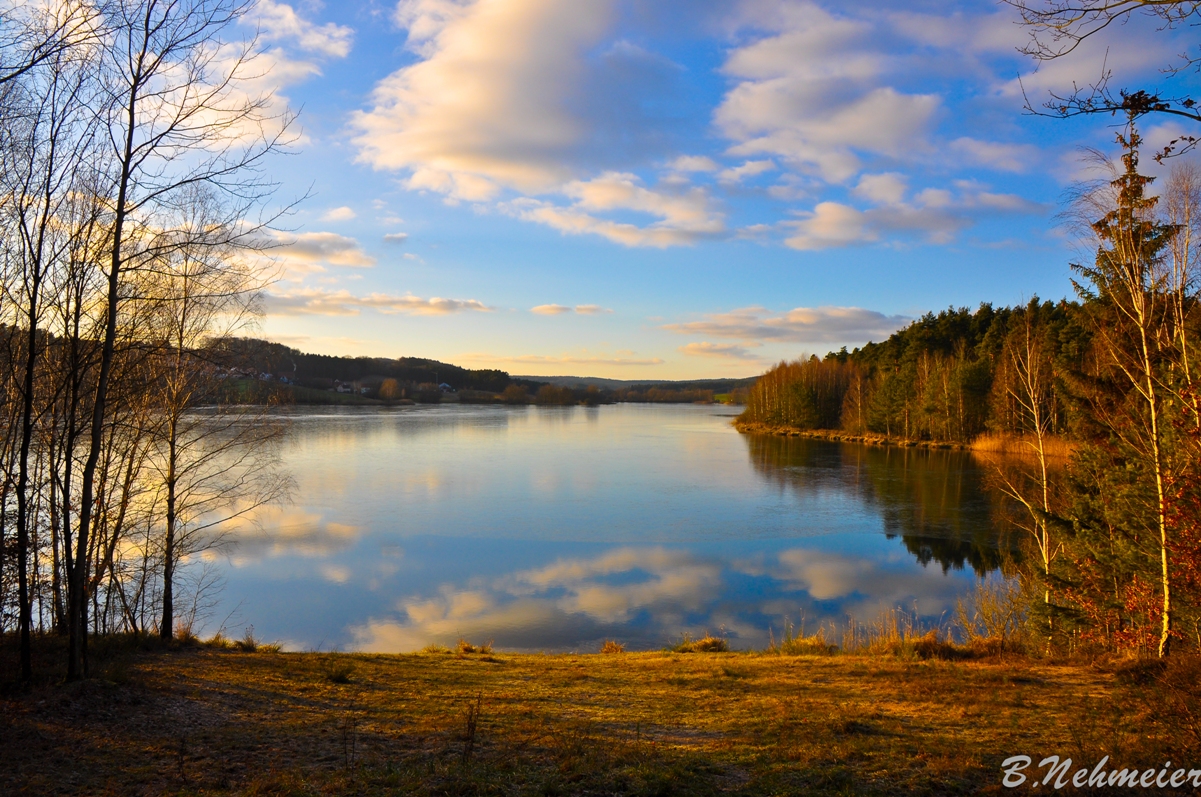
276	531
552	528
647	597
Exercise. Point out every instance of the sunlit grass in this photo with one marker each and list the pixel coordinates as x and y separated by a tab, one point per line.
794	719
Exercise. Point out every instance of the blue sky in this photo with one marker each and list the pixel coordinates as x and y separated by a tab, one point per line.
668	189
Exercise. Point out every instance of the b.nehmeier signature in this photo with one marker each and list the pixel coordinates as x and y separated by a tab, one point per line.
1059	774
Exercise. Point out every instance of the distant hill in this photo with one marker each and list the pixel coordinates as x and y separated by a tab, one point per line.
263	359
321	370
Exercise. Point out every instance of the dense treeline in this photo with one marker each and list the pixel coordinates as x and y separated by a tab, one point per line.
1112	530
132	225
948	376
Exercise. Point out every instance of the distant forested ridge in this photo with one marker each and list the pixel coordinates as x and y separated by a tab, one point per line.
321	370
275	367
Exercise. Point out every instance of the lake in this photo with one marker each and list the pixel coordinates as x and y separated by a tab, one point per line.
555	528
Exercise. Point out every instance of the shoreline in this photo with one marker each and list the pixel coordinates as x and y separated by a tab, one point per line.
837	436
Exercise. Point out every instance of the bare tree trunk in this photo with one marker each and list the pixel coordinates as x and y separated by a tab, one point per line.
166	628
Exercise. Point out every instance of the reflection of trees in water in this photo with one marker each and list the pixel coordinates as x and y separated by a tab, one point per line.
936	501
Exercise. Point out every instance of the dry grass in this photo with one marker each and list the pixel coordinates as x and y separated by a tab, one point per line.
199	720
465	648
612	646
706	644
897	632
1056	448
795	643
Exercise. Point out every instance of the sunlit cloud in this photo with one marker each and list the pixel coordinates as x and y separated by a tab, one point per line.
396	237
685	214
279	22
294	50
737	174
999	156
694	163
552	113
801	325
724	351
309	252
492	107
814	95
561	309
343	213
486	106
933	215
317	301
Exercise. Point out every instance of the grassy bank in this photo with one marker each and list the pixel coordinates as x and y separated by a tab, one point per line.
195	720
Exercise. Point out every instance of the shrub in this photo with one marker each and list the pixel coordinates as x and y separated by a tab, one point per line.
612	646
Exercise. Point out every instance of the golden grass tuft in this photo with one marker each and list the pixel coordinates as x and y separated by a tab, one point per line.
612	646
898	633
706	644
793	643
219	641
465	648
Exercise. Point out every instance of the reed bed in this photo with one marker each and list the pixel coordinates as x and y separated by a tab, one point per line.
1055	448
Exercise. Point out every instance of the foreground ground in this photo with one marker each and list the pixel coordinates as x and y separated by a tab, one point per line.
203	721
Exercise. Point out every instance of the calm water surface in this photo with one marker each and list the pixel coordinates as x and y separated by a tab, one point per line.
555	528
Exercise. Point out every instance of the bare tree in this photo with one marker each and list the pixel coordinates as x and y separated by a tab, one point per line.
212	465
1182	210
1029	384
176	117
49	146
1058	27
35	34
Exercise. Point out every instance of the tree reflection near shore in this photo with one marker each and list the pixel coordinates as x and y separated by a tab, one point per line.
936	501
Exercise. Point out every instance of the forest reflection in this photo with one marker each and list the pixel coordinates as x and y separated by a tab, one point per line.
938	502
